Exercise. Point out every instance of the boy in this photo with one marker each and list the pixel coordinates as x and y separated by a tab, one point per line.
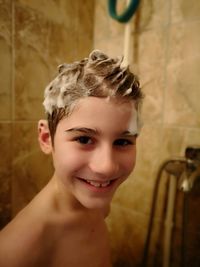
91	133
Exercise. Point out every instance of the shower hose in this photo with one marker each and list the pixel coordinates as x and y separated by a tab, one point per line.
127	14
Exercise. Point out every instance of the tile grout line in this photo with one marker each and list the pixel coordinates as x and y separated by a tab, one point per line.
13	62
166	61
12	101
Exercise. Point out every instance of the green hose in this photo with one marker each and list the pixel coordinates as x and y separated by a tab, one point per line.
127	14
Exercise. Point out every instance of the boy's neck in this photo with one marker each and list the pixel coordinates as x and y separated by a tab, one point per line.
64	201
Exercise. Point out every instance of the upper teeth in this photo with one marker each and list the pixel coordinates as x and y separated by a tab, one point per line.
97	184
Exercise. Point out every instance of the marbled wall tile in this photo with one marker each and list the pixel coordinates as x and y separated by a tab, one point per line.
128	230
42	43
5	59
152	14
101	22
184	10
5	173
184	43
6	19
85	28
24	139
59	23
106	28
152	149
182	94
62	45
32	76
108	48
170	142
58	12
138	196
129	195
149	55
191	138
152	82
5	80
149	47
32	70
31	169
31	30
72	38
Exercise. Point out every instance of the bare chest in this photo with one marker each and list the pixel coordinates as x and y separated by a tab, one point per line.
85	247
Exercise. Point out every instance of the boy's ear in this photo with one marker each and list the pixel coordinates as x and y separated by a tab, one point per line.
44	137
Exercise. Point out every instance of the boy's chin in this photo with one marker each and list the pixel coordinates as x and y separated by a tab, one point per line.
101	205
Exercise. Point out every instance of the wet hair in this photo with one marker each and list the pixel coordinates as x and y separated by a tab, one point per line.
98	76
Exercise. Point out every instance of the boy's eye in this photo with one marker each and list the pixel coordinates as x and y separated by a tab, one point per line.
123	142
86	140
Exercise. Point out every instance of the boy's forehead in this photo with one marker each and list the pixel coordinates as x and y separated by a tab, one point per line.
116	104
101	108
93	111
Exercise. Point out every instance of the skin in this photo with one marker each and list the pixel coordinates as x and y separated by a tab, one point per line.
93	153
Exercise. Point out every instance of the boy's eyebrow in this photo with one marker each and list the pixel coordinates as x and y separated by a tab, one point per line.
94	131
83	130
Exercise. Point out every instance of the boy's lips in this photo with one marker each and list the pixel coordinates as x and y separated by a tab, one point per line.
98	184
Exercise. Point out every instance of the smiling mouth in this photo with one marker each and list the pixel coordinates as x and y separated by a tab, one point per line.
97	184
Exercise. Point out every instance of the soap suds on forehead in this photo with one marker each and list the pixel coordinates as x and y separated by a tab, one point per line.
135	123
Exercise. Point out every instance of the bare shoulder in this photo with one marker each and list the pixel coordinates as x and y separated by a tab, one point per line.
21	239
17	240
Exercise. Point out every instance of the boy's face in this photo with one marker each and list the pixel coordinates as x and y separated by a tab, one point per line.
95	149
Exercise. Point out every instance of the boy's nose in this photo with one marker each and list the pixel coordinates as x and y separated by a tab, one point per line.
104	163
